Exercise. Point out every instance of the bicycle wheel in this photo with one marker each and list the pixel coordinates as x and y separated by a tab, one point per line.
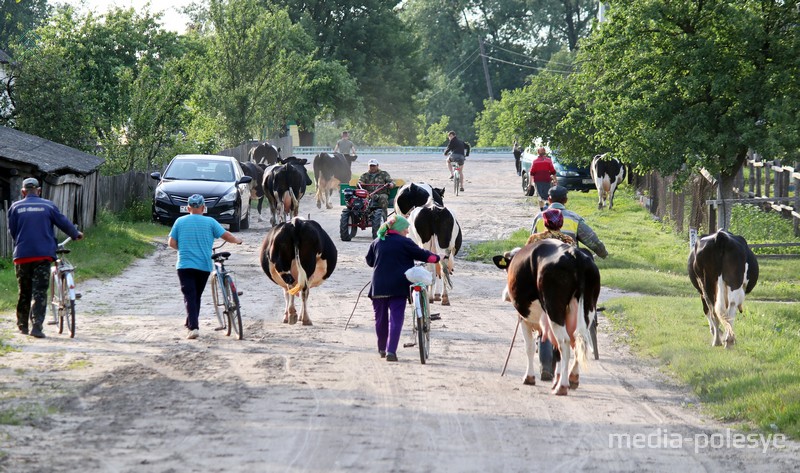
422	320
233	309
52	299
221	317
456	182
69	304
63	300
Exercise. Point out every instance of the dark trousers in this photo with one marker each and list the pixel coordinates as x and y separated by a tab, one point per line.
389	316
33	281
193	282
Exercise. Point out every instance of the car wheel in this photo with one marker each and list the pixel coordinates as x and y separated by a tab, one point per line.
246	220
527	188
236	225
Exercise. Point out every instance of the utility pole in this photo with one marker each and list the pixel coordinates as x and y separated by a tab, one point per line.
486	70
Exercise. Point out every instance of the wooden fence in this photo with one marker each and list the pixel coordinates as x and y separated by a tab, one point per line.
115	193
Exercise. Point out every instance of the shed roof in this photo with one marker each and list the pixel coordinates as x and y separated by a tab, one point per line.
46	155
4	57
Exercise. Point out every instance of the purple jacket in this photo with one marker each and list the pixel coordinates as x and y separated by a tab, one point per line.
391	258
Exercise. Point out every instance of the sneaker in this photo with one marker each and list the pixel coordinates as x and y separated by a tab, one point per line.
391	357
451	177
461	190
547	376
37	333
23	330
436	317
382	353
193	334
52	322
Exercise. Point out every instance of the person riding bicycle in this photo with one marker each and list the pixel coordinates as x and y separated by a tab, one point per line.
576	228
30	223
391	255
193	236
374	178
456	151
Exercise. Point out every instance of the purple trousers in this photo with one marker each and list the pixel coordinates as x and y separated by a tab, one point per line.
389	316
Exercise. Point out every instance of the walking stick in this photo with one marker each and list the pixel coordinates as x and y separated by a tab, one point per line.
512	346
356	304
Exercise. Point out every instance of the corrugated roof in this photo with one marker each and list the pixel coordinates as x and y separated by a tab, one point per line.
47	155
4	58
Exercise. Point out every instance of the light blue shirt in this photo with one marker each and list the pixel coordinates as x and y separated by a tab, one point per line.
195	235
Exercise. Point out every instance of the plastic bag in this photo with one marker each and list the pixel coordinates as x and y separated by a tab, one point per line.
419	275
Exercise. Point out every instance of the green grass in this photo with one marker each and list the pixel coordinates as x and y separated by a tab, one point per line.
755	382
107	249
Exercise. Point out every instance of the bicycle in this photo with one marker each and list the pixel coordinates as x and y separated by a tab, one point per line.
420	279
62	291
458	182
225	295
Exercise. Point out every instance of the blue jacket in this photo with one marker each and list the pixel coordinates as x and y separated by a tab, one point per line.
391	258
30	222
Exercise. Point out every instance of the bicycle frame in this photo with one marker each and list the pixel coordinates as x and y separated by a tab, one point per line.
225	295
63	293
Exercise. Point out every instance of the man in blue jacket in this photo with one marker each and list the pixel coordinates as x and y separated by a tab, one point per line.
30	222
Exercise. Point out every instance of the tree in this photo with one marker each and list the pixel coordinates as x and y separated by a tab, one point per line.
261	70
682	85
17	18
379	52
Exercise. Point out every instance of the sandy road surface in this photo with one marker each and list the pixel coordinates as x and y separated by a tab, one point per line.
131	394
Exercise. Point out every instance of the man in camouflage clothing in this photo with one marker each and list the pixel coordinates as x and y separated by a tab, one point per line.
30	223
373	179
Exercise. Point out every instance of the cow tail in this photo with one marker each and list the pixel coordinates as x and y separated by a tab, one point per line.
583	340
302	277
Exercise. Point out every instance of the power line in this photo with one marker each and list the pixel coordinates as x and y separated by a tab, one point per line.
465	60
527	67
529	57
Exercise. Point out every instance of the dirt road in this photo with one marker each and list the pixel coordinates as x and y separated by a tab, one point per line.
131	394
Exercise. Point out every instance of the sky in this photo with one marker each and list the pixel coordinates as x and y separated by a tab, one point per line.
172	20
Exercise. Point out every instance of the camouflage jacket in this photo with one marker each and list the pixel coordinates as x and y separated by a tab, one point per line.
380	177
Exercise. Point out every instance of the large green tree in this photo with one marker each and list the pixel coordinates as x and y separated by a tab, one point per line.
380	53
688	84
260	70
17	18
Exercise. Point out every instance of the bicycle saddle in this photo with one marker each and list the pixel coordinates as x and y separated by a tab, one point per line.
222	255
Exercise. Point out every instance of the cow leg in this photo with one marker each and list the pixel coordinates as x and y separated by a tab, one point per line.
260	203
530	352
287	300
291	312
303	308
562	339
328	204
611	195
734	300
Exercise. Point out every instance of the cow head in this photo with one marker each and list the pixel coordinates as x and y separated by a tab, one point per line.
502	261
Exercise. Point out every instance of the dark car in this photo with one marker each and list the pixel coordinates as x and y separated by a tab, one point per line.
571	176
219	179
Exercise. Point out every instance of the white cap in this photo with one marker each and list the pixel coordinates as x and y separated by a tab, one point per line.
373	162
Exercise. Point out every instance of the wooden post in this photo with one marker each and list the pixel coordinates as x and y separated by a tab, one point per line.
767	178
751	179
712	218
758	180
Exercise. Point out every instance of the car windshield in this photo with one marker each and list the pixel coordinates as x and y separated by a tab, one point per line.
200	170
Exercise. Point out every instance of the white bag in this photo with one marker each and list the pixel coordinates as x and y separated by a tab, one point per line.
419	275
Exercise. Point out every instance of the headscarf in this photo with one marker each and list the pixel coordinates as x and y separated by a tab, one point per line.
553	219
395	222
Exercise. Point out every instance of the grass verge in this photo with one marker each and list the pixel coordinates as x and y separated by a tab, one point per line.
754	382
107	249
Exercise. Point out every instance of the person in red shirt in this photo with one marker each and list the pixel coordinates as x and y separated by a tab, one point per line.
543	174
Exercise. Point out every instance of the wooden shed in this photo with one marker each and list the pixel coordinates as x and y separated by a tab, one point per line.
68	176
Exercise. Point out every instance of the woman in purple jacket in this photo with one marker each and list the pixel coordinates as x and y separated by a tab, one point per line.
391	255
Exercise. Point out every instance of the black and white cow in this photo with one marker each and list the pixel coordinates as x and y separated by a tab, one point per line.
297	256
723	269
329	172
284	185
607	173
554	287
265	153
435	229
416	194
256	171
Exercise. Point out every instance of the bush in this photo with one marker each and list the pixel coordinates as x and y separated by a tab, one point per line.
138	211
759	226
